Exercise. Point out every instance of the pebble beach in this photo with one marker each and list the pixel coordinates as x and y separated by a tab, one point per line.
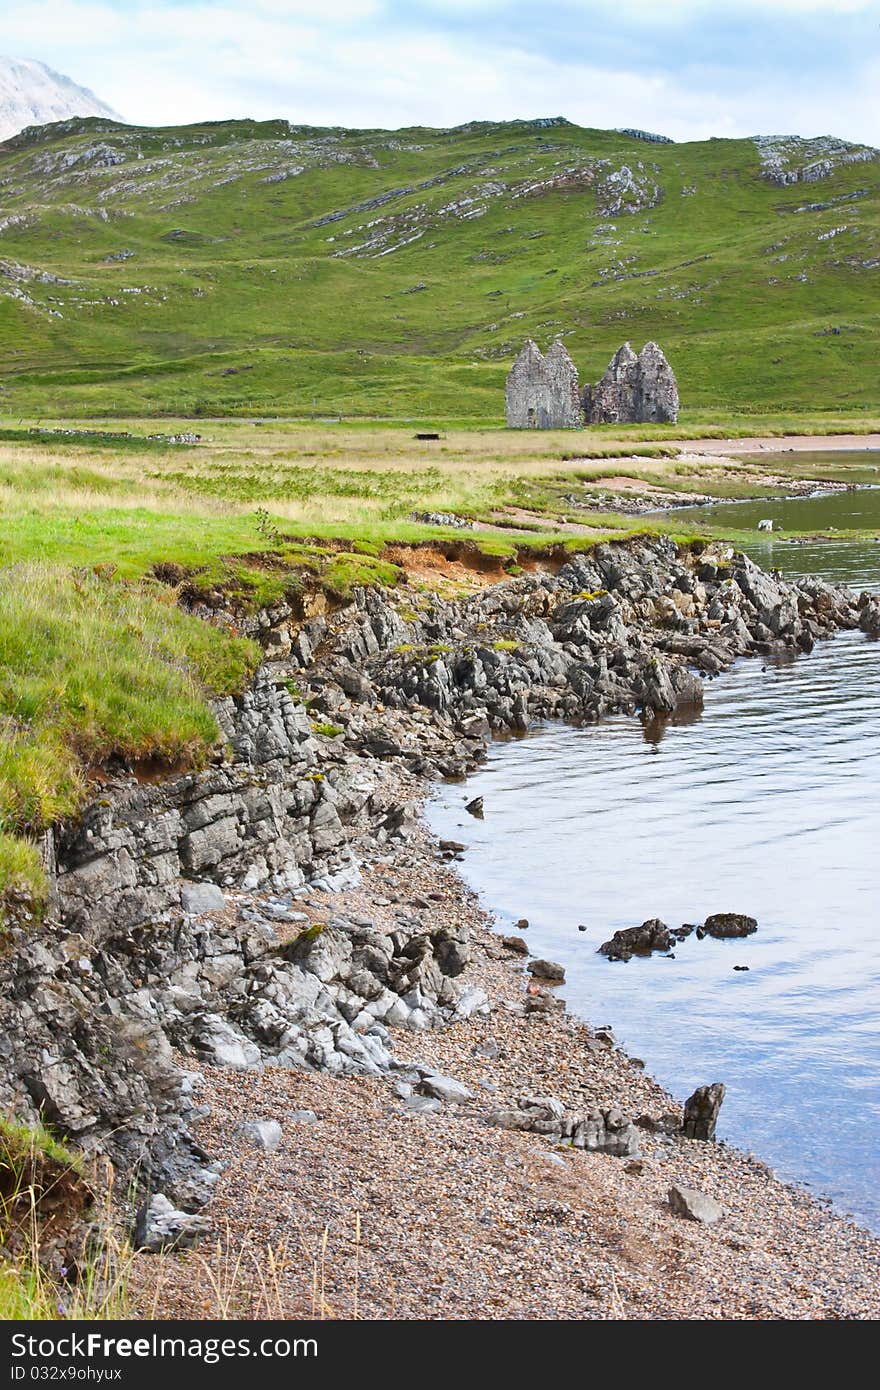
374	1206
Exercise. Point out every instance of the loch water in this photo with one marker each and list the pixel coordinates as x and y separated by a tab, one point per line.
768	803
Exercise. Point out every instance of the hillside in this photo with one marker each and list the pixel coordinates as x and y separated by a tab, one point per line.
32	94
262	267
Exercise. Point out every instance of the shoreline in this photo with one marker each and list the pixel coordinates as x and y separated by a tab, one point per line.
305	1002
783	444
459	1218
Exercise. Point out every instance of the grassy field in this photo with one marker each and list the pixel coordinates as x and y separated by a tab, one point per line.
255	268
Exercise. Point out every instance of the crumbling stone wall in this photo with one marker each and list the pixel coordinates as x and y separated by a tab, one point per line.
636	389
543	392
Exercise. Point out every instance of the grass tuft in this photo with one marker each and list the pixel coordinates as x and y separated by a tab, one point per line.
92	668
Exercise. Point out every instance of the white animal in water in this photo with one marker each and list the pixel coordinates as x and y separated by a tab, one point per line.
765	525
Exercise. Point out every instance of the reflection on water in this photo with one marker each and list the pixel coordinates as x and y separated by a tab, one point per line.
768	803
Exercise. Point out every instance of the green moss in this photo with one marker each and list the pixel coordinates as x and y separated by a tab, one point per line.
327	730
348	571
311	933
428	653
506	644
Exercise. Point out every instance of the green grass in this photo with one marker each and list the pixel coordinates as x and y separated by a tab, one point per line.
22	876
44	1186
23	1147
231	269
90	668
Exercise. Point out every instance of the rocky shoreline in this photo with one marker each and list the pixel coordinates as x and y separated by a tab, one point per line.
278	934
649	499
399	1196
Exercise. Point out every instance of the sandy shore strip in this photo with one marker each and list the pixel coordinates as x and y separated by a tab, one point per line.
369	1209
780	444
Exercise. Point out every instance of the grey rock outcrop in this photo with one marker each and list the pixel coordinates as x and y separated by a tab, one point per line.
636	389
599	1131
265	1134
92	1006
166	1228
543	392
122	862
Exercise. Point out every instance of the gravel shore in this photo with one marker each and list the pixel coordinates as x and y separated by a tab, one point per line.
367	1209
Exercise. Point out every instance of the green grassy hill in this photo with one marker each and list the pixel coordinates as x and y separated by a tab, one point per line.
253	267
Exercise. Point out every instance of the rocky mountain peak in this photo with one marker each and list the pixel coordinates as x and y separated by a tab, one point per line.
33	94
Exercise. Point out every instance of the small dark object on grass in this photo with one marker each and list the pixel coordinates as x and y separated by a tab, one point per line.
427	436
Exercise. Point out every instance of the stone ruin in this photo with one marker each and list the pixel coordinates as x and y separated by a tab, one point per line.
543	390
636	389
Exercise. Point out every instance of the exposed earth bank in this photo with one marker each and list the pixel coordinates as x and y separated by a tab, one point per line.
278	935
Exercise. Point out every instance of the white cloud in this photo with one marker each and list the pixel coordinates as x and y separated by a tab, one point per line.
347	63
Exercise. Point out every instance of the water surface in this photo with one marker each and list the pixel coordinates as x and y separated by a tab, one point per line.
767	803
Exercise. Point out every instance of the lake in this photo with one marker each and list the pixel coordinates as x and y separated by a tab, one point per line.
767	803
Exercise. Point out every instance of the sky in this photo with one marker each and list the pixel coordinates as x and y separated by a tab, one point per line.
689	69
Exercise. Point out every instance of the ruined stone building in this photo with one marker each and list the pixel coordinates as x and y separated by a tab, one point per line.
543	390
636	389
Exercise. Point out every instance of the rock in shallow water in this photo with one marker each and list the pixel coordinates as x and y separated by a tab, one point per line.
701	1111
652	935
728	924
